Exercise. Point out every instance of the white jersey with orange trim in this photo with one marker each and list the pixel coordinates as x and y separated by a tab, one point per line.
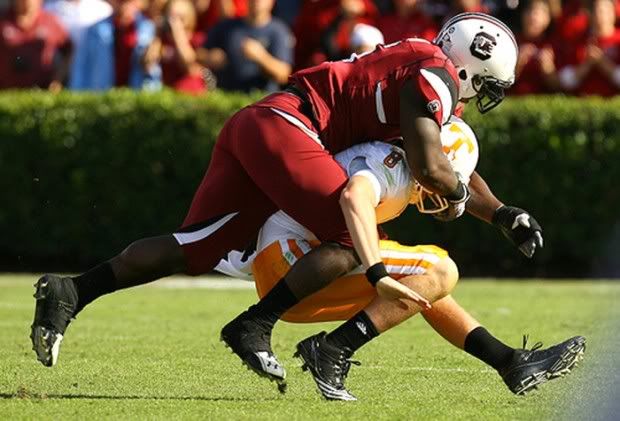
383	164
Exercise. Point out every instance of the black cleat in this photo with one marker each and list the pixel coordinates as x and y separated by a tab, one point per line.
328	364
530	368
56	304
251	341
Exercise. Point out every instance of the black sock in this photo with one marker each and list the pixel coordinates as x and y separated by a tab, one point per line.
484	346
354	333
98	281
273	305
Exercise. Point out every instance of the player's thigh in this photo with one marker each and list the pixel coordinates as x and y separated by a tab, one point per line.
226	213
409	261
402	260
340	300
295	172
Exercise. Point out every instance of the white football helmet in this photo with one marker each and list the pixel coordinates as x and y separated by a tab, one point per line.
484	52
461	147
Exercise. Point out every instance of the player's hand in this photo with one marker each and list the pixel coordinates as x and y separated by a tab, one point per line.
520	228
391	289
456	206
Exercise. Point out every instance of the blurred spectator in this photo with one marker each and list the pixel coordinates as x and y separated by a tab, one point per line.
407	21
365	38
210	12
35	49
287	10
154	10
175	48
511	11
536	72
113	50
594	67
573	21
466	6
250	53
77	16
317	17
336	38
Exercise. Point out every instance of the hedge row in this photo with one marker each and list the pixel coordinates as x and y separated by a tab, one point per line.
84	175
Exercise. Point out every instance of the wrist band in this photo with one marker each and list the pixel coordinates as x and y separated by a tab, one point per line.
459	194
376	272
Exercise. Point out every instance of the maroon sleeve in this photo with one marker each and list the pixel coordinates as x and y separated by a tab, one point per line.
438	86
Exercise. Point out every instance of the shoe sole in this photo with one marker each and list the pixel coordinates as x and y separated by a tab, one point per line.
567	362
45	342
280	382
326	394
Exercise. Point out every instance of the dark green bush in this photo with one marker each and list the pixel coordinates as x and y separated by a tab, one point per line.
84	175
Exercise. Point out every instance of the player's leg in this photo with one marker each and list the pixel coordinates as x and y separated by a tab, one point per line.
347	296
522	370
226	212
61	298
340	300
302	179
431	273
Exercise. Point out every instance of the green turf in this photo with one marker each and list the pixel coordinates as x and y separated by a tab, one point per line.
152	353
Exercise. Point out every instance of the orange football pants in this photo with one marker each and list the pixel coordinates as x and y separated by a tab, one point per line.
345	296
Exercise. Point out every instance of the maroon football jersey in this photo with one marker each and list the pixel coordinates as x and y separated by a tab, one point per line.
357	99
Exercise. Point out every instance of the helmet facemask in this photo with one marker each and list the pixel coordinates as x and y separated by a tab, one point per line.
489	92
426	201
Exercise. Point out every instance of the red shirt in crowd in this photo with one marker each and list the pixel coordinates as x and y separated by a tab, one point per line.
395	28
596	83
174	72
125	40
206	20
27	55
570	29
313	19
530	79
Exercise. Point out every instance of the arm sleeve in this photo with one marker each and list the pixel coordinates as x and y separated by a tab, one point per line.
437	87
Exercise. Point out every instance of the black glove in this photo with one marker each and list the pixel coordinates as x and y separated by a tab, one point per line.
520	228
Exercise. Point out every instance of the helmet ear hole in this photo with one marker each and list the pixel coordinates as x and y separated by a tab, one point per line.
463	74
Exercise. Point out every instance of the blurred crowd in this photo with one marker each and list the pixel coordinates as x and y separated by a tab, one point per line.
193	46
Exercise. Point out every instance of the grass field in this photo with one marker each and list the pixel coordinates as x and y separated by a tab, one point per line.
154	353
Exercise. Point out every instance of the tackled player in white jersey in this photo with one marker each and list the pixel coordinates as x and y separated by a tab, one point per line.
379	189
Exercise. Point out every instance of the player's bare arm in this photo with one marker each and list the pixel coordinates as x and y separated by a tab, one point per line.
358	206
483	202
358	201
422	143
